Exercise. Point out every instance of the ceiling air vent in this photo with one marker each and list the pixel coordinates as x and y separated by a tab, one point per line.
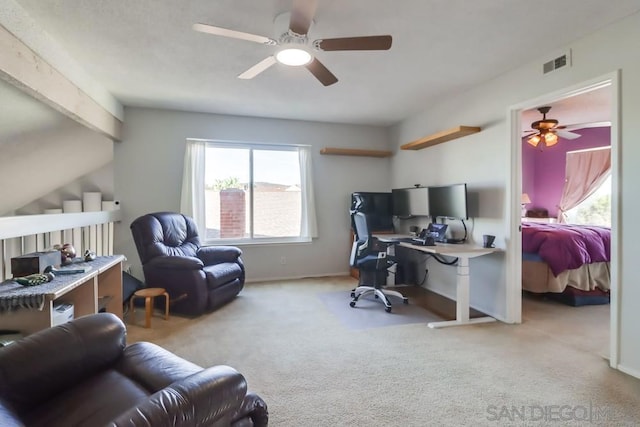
556	63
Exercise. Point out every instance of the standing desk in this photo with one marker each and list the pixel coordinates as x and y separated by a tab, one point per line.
463	252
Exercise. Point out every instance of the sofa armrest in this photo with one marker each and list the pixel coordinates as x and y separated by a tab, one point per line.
253	412
154	367
8	418
211	255
208	397
175	262
37	367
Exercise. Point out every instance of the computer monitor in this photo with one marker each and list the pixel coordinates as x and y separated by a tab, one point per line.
377	207
410	201
448	201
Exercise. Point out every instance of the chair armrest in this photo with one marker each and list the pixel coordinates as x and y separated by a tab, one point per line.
175	263
8	418
35	368
379	246
153	366
253	408
216	254
207	397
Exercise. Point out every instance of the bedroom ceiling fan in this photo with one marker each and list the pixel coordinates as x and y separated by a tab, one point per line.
548	131
292	43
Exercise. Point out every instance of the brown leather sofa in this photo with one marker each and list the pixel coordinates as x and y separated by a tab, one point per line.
82	373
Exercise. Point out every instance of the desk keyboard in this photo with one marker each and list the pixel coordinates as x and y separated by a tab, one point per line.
405	239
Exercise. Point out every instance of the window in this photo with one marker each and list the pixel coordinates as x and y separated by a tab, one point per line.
595	209
252	193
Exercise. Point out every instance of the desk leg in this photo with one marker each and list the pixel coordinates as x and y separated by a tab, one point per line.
462	300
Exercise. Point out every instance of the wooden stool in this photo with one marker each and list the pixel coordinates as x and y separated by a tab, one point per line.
149	294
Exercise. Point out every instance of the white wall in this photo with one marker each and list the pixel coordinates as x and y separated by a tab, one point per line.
99	180
483	162
148	174
35	164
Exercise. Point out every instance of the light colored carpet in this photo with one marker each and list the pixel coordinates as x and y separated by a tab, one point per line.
370	313
313	371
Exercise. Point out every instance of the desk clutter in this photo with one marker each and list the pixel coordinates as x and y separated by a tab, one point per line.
396	210
29	309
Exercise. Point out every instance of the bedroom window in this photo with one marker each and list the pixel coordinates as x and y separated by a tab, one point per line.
595	209
249	192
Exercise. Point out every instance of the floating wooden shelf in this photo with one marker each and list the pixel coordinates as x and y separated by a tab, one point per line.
440	137
355	152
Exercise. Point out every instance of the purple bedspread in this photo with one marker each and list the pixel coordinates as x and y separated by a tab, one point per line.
565	246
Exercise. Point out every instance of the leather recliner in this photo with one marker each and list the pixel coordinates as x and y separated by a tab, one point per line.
197	278
81	373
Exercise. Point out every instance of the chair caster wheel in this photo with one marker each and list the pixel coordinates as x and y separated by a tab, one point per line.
352	303
405	300
387	309
376	295
353	294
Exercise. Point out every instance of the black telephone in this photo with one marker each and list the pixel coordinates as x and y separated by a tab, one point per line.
438	231
430	235
424	238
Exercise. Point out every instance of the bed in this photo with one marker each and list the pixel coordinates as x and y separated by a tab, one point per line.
569	262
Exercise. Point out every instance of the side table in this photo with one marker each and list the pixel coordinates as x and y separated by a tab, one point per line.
149	294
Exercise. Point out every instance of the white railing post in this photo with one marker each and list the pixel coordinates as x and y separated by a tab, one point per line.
31	233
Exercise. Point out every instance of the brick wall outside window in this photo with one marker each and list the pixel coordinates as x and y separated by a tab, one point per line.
232	213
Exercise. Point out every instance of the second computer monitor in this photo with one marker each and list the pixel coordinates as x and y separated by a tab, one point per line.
409	202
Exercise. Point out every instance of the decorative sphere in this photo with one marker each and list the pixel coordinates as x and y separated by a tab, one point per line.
68	252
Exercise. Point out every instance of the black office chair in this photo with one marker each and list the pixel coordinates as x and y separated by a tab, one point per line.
369	256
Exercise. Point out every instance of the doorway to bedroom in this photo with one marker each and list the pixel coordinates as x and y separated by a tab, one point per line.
566	173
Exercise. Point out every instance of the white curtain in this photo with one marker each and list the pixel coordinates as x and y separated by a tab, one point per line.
192	197
585	172
308	224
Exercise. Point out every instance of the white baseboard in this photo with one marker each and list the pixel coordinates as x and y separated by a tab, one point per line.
629	371
306	276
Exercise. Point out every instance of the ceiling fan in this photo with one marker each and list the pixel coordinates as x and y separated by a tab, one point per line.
548	131
292	42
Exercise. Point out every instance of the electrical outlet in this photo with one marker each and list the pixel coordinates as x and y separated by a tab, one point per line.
283	260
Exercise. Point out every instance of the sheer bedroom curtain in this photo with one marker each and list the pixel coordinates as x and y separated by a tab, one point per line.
585	172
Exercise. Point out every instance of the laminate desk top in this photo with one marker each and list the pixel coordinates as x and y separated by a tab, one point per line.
467	250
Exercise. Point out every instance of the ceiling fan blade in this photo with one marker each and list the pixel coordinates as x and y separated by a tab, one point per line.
219	31
321	72
354	43
567	135
586	125
258	68
302	16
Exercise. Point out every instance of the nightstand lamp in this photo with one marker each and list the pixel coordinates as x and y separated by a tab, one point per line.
524	200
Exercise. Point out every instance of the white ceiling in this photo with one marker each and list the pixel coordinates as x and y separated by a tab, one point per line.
589	107
146	54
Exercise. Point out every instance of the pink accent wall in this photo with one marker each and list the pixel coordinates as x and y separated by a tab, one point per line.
543	169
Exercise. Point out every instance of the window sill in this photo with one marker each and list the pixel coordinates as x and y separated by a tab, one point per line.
258	242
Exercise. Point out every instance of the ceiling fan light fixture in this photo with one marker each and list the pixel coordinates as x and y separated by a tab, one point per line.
534	140
550	139
293	57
